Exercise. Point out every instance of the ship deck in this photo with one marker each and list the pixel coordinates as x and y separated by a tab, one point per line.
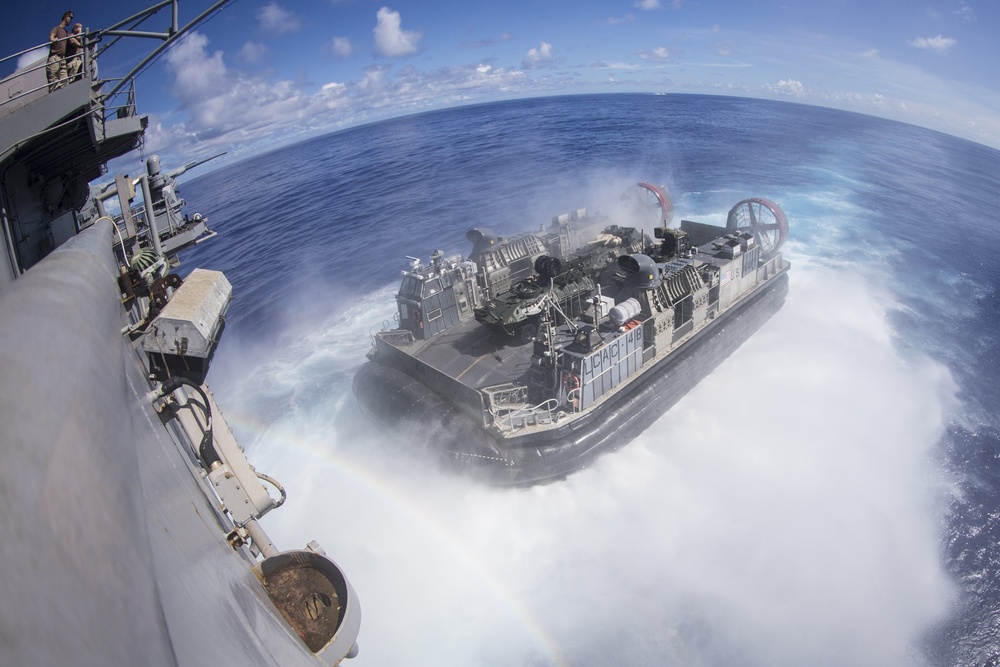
475	355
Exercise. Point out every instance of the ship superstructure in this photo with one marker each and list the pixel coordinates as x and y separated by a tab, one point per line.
131	512
582	354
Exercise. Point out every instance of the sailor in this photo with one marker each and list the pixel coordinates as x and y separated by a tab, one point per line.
55	68
74	52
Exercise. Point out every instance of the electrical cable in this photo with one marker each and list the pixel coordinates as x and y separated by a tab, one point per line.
206	450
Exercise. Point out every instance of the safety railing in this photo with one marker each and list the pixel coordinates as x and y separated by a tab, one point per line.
507	395
32	80
535	415
34	75
122	103
397	337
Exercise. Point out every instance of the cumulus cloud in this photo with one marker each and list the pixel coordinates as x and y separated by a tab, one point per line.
373	78
536	56
275	19
659	54
390	39
342	47
223	109
199	75
789	87
939	44
219	101
253	53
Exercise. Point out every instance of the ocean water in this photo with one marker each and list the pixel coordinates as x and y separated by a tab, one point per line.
830	495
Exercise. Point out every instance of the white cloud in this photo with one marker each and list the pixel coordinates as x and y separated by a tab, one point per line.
659	54
342	47
536	56
217	104
966	13
884	87
28	58
939	44
373	77
253	52
274	18
198	74
614	65
220	108
333	87
223	109
390	39
789	87
655	4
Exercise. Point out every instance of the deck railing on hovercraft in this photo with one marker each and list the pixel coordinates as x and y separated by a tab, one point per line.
399	337
503	398
515	420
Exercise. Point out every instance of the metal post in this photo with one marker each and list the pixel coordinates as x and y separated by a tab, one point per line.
260	539
147	200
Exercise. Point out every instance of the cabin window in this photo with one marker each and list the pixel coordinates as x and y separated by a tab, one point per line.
432	287
411	287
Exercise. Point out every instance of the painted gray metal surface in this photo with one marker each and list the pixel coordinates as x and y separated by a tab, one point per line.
76	579
111	553
189	323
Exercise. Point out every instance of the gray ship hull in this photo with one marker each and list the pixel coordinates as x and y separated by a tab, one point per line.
130	512
113	555
401	402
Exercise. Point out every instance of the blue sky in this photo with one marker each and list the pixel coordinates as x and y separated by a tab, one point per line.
264	74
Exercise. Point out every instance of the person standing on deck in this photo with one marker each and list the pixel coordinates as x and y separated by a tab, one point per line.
74	52
55	67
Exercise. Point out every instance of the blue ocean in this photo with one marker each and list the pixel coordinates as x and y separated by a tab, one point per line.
830	495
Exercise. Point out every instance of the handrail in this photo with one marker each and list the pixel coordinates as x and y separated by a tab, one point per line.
545	408
170	37
86	71
91	39
48	84
43	45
